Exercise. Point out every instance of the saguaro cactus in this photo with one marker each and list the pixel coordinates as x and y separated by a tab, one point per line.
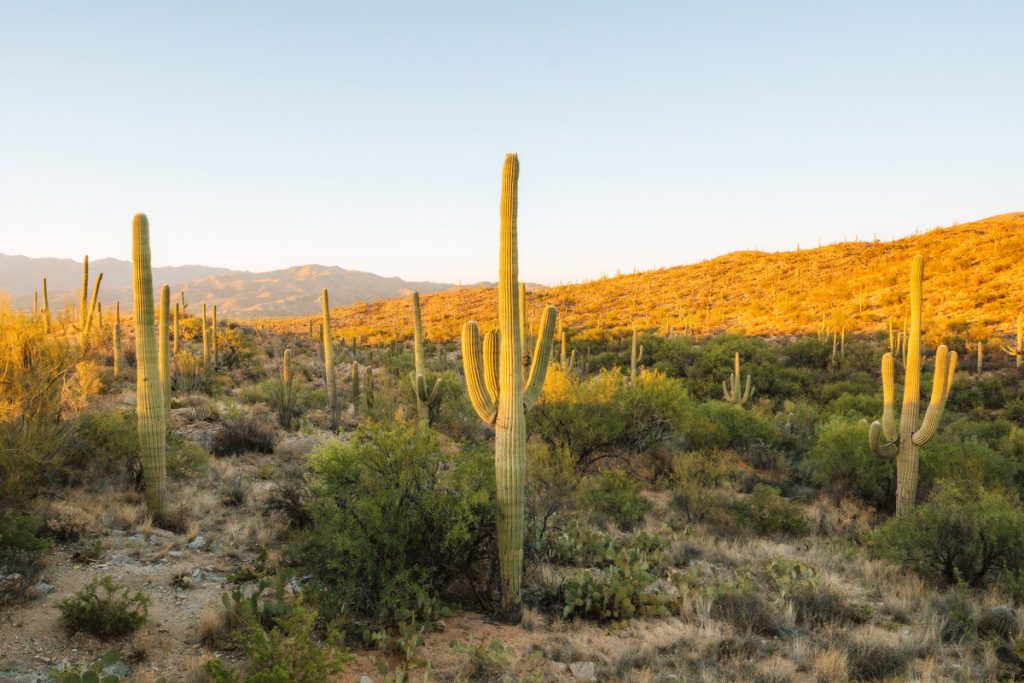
979	347
149	396
213	335
117	339
332	394
368	385
164	349
425	399
177	326
206	340
1018	350
731	388
905	442
500	397
91	310
636	354
83	310
46	309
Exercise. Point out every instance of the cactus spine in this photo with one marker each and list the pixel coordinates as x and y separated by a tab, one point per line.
731	389
325	331
117	339
425	400
494	380
905	442
164	349
149	396
1018	350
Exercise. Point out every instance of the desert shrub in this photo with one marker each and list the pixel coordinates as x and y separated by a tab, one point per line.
950	457
654	405
616	496
697	475
67	522
842	462
746	608
580	416
765	511
962	533
106	443
815	605
857	406
552	487
244	434
453	415
397	523
869	660
104	608
277	638
190	376
999	622
20	543
716	425
40	393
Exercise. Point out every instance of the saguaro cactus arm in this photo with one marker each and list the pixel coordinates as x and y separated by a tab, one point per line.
942	384
484	404
541	355
491	361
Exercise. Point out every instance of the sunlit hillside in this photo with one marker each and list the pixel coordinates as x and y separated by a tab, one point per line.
973	278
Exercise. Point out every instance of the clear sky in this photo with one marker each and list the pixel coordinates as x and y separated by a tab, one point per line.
370	135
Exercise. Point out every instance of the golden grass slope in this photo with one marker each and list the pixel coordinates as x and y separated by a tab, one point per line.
974	282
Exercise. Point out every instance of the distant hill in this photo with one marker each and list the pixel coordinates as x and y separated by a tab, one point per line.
238	294
974	284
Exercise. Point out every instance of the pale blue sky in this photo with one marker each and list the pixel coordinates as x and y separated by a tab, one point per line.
370	135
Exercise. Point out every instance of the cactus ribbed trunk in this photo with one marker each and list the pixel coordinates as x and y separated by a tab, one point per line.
149	396
633	358
91	309
332	394
510	425
164	349
177	327
425	399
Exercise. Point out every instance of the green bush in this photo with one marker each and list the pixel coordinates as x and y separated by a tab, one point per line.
654	405
765	511
244	434
614	495
104	608
842	462
963	533
397	522
696	479
615	593
716	425
20	544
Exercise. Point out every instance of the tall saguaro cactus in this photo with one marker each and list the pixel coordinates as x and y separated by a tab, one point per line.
500	396
332	393
149	396
1018	350
906	441
213	335
206	340
164	349
91	309
979	347
46	308
425	399
731	389
177	327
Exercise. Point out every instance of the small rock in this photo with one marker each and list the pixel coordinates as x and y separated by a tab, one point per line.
365	679
43	588
197	543
583	671
163	532
175	553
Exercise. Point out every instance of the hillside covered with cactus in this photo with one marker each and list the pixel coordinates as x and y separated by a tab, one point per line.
974	269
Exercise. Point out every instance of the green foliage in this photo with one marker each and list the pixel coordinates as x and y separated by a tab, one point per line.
104	608
697	475
396	522
20	544
963	533
715	425
281	652
616	496
842	462
615	593
244	434
765	511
